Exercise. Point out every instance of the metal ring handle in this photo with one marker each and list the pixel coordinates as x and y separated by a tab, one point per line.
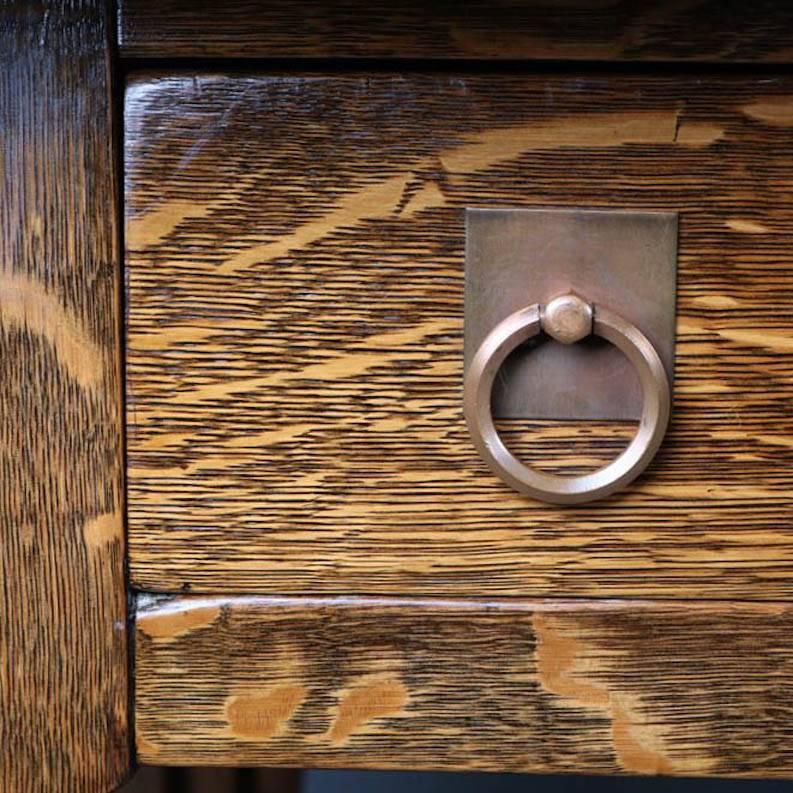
515	330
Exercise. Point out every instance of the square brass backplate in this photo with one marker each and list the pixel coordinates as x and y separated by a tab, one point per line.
625	261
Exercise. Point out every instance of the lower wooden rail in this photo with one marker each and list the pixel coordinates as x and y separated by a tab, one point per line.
606	687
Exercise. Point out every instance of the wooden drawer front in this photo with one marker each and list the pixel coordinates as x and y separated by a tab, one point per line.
295	336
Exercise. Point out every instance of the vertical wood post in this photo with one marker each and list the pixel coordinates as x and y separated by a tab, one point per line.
63	645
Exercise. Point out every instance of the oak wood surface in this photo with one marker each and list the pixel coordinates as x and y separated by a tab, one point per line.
63	660
623	30
295	333
602	687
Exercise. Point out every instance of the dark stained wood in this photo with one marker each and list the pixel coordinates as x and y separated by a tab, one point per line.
623	30
604	687
63	659
295	347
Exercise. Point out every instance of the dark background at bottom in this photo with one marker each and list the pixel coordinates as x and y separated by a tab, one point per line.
158	780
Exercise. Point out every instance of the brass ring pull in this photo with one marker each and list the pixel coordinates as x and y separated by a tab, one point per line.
567	318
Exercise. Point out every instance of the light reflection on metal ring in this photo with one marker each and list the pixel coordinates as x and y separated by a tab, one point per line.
519	328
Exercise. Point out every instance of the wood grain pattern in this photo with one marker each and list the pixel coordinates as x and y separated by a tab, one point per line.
63	660
295	335
605	687
627	30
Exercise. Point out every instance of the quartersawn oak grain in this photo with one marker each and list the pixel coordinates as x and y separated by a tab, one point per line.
63	660
295	249
622	30
600	687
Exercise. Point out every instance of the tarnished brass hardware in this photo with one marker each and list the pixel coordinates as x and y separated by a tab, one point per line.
621	259
568	318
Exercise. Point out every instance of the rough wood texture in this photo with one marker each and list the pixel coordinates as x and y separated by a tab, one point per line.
603	687
629	30
295	349
63	660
